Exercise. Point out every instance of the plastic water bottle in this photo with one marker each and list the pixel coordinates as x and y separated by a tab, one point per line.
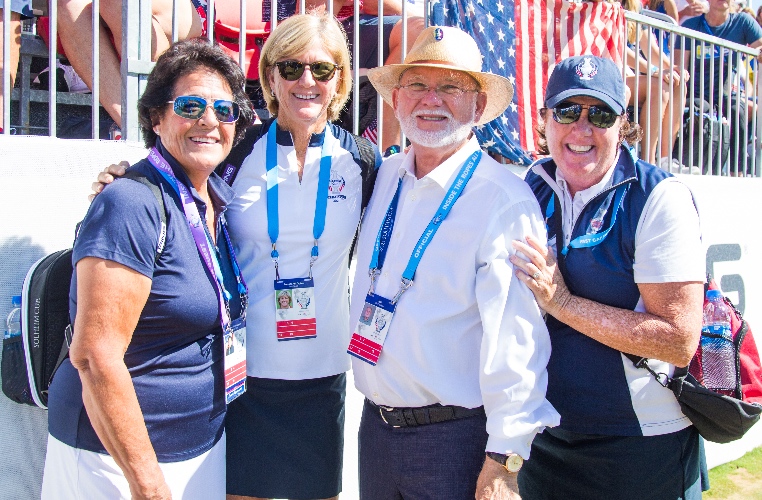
13	321
718	357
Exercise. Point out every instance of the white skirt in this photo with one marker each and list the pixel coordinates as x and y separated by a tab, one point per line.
71	473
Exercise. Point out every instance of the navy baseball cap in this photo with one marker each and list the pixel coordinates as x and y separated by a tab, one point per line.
588	76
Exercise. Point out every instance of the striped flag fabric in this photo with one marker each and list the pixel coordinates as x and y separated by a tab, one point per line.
523	41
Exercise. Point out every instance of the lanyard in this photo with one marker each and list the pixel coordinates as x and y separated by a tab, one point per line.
321	202
203	239
387	226
589	240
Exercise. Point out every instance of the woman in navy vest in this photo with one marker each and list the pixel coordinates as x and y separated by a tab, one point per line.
623	274
138	409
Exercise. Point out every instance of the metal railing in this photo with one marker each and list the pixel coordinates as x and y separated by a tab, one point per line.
727	110
711	116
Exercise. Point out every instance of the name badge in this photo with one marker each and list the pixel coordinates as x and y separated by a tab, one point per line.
295	309
235	360
372	327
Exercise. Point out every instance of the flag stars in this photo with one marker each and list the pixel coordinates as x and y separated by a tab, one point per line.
514	107
470	7
501	35
500	62
504	119
512	79
511	52
499	6
489	143
490	46
490	18
511	24
515	135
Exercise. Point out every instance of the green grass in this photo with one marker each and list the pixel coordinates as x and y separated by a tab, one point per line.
741	478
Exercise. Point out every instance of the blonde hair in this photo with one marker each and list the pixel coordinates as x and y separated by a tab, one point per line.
633	6
296	35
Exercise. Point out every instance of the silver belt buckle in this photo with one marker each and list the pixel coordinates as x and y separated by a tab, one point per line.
381	412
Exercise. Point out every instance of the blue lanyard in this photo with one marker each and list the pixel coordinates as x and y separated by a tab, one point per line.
387	227
587	240
321	202
203	240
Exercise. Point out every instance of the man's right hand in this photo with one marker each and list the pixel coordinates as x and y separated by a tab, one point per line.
107	177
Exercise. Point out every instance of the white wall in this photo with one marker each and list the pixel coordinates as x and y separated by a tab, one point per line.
46	183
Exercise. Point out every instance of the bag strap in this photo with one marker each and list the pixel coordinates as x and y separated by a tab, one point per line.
662	378
369	172
156	190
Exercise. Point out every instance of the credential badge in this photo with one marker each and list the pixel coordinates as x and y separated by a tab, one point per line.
586	70
438	34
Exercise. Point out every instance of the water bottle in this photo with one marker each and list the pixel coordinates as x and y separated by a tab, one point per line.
718	357
13	321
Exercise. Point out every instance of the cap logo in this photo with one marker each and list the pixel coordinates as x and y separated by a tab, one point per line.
586	70
438	34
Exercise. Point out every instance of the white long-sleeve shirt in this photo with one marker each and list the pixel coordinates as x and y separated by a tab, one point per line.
468	332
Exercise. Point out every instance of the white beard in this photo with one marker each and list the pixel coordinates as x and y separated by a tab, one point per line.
453	133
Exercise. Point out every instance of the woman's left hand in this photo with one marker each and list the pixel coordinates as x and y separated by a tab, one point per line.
541	274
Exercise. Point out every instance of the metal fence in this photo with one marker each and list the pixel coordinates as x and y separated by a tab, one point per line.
688	127
718	129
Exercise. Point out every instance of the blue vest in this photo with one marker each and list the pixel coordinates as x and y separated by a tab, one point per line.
586	379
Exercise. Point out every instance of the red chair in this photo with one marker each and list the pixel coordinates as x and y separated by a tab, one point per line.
227	28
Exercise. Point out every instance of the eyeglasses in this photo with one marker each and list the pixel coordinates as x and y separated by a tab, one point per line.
193	107
598	116
322	71
417	90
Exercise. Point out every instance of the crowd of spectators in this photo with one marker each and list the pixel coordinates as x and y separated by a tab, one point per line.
657	82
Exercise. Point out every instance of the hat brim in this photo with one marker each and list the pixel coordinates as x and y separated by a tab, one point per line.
498	89
607	99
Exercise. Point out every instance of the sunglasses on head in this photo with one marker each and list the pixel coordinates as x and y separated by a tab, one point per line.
600	116
293	70
193	107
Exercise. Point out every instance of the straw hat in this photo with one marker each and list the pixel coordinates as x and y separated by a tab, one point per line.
448	48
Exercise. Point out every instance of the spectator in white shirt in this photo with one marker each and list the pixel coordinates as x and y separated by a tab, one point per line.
463	368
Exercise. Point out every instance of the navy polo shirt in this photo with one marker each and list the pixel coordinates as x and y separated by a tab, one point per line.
175	357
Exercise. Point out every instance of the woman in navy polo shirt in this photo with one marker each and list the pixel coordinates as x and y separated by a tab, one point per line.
299	195
138	409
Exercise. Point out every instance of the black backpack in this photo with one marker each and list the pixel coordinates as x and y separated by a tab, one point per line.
31	359
710	131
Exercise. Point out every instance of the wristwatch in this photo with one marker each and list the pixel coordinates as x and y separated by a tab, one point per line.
512	462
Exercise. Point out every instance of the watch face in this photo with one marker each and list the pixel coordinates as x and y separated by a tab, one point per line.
514	462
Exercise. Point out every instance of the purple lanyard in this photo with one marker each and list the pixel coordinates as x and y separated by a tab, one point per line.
193	217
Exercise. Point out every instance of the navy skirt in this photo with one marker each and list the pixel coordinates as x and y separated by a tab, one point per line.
286	438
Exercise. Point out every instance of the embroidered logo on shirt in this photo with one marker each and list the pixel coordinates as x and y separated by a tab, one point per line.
335	187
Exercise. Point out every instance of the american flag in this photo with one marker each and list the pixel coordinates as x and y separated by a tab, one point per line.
523	41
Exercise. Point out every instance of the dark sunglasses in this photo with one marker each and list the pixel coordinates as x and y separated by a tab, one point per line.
599	116
193	107
293	70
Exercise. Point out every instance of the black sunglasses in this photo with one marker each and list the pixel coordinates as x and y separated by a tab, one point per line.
291	71
193	107
600	116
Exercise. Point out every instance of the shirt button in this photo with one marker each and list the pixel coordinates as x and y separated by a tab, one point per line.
375	394
412	197
386	274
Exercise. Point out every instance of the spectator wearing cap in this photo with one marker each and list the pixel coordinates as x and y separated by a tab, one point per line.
621	277
451	354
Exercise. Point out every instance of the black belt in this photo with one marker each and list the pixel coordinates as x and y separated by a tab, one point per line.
424	415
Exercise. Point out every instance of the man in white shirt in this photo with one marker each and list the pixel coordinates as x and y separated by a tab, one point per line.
449	347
